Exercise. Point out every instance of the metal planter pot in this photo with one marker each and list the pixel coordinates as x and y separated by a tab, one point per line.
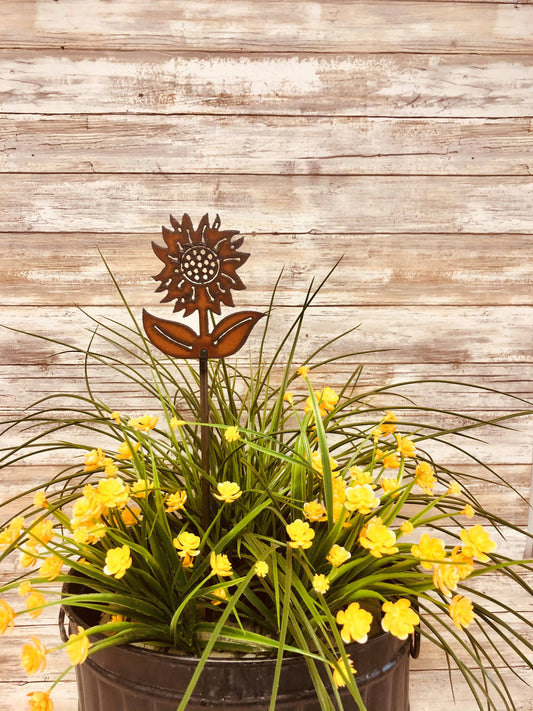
130	678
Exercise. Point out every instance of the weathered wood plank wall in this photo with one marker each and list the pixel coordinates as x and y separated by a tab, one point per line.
397	133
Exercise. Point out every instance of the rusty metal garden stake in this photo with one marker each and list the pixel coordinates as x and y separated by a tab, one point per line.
199	275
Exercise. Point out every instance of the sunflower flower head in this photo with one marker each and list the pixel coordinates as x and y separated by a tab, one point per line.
200	265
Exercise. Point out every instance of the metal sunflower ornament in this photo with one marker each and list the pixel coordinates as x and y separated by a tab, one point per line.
200	273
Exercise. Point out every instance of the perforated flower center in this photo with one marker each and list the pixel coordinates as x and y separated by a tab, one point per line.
200	265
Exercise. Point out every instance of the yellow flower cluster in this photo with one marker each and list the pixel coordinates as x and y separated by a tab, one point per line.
301	534
378	539
117	561
399	619
355	622
326	399
228	492
40	701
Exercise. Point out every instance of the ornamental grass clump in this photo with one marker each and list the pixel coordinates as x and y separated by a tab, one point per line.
327	514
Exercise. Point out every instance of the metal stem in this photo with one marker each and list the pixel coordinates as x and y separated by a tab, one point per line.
205	436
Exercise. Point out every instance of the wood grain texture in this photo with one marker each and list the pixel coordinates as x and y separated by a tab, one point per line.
376	269
436	334
303	204
271	145
293	25
399	85
397	133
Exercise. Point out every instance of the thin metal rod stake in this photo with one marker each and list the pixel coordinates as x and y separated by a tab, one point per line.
205	436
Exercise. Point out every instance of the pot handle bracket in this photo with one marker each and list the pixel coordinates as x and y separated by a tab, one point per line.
62	627
414	646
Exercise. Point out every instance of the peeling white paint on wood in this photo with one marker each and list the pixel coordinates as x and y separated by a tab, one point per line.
397	133
266	145
401	85
289	203
241	25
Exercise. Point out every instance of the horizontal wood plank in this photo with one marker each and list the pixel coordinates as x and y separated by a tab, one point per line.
268	146
399	85
294	25
476	388
431	335
302	204
42	269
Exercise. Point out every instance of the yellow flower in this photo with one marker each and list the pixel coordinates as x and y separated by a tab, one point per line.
228	492
117	561
10	534
355	623
131	515
316	461
27	560
175	423
261	568
303	371
461	611
141	487
118	618
389	461
78	647
390	485
220	564
7	617
405	447
379	540
94	460
338	555
34	603
429	550
314	511
88	509
399	619
40	701
24	588
300	533
50	568
445	577
187	560
221	594
389	417
464	564
320	584
327	399
476	543
360	477
187	544
144	423
113	492
340	673
407	528
454	489
115	416
289	397
361	499
468	511
110	468
42	532
33	656
39	500
176	501
126	450
89	534
424	477
232	434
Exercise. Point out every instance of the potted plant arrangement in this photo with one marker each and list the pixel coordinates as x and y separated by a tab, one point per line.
254	538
